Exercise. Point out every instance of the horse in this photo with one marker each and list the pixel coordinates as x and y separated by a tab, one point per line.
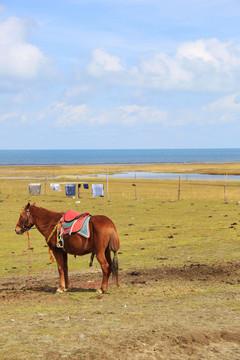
103	239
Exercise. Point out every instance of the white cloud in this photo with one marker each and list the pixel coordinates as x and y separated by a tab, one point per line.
166	70
229	103
134	114
224	110
129	115
66	115
9	116
19	59
223	56
201	65
63	115
103	63
197	50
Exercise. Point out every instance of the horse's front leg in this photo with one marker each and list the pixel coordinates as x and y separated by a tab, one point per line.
61	259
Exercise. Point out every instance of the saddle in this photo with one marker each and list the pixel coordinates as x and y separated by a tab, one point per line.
73	222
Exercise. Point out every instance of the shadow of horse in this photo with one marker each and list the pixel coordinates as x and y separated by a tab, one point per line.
52	290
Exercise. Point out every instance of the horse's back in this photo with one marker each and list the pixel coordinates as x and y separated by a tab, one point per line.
100	222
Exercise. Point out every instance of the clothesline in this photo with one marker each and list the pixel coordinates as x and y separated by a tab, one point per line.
70	189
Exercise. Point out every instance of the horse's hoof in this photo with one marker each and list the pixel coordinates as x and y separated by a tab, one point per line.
99	291
60	291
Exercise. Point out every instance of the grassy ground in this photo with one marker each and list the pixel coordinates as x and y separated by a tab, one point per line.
179	273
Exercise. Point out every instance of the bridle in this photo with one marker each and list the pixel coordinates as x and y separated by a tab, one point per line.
26	224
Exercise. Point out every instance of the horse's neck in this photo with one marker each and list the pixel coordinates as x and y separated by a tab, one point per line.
44	219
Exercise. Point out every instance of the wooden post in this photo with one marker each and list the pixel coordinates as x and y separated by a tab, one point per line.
107	186
225	185
135	186
45	187
179	187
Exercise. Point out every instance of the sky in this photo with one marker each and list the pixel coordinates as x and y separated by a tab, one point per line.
119	74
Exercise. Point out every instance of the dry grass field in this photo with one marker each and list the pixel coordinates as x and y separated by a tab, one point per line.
179	295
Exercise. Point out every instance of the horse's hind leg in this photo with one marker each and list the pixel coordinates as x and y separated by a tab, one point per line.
61	258
91	259
109	260
105	270
65	259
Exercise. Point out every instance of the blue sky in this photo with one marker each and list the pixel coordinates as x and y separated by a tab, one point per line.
112	74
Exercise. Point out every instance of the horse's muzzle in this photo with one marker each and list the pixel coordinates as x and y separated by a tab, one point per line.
18	230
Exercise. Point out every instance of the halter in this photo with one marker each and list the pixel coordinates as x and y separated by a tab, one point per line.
23	224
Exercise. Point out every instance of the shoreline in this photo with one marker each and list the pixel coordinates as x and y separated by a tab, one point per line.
52	171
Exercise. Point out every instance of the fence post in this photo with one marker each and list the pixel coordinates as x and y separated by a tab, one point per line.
135	185
179	187
107	186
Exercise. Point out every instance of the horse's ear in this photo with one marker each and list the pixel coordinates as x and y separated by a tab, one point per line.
27	206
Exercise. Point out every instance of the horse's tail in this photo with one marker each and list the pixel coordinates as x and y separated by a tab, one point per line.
114	246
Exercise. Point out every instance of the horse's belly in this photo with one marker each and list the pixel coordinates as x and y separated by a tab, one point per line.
77	245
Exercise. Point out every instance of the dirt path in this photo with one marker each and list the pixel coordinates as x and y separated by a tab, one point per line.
228	272
188	312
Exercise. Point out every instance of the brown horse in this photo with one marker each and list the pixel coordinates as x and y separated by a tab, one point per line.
103	239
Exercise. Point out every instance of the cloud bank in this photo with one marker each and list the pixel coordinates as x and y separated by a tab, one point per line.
201	65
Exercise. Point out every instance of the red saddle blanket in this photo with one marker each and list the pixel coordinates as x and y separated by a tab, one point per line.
73	222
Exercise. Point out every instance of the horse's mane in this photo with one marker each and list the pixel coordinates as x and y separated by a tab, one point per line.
45	212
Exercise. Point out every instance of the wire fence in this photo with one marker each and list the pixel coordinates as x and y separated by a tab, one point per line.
136	189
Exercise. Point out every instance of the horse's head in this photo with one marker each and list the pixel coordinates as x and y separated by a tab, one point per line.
25	221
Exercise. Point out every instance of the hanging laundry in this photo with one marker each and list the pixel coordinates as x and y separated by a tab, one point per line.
70	189
97	190
55	187
34	189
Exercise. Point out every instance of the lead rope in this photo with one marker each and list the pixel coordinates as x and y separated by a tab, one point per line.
29	263
29	256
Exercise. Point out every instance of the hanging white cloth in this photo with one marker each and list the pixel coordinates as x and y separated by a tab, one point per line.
55	187
97	190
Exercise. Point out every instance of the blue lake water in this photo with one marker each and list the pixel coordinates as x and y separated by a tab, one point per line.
170	176
134	156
